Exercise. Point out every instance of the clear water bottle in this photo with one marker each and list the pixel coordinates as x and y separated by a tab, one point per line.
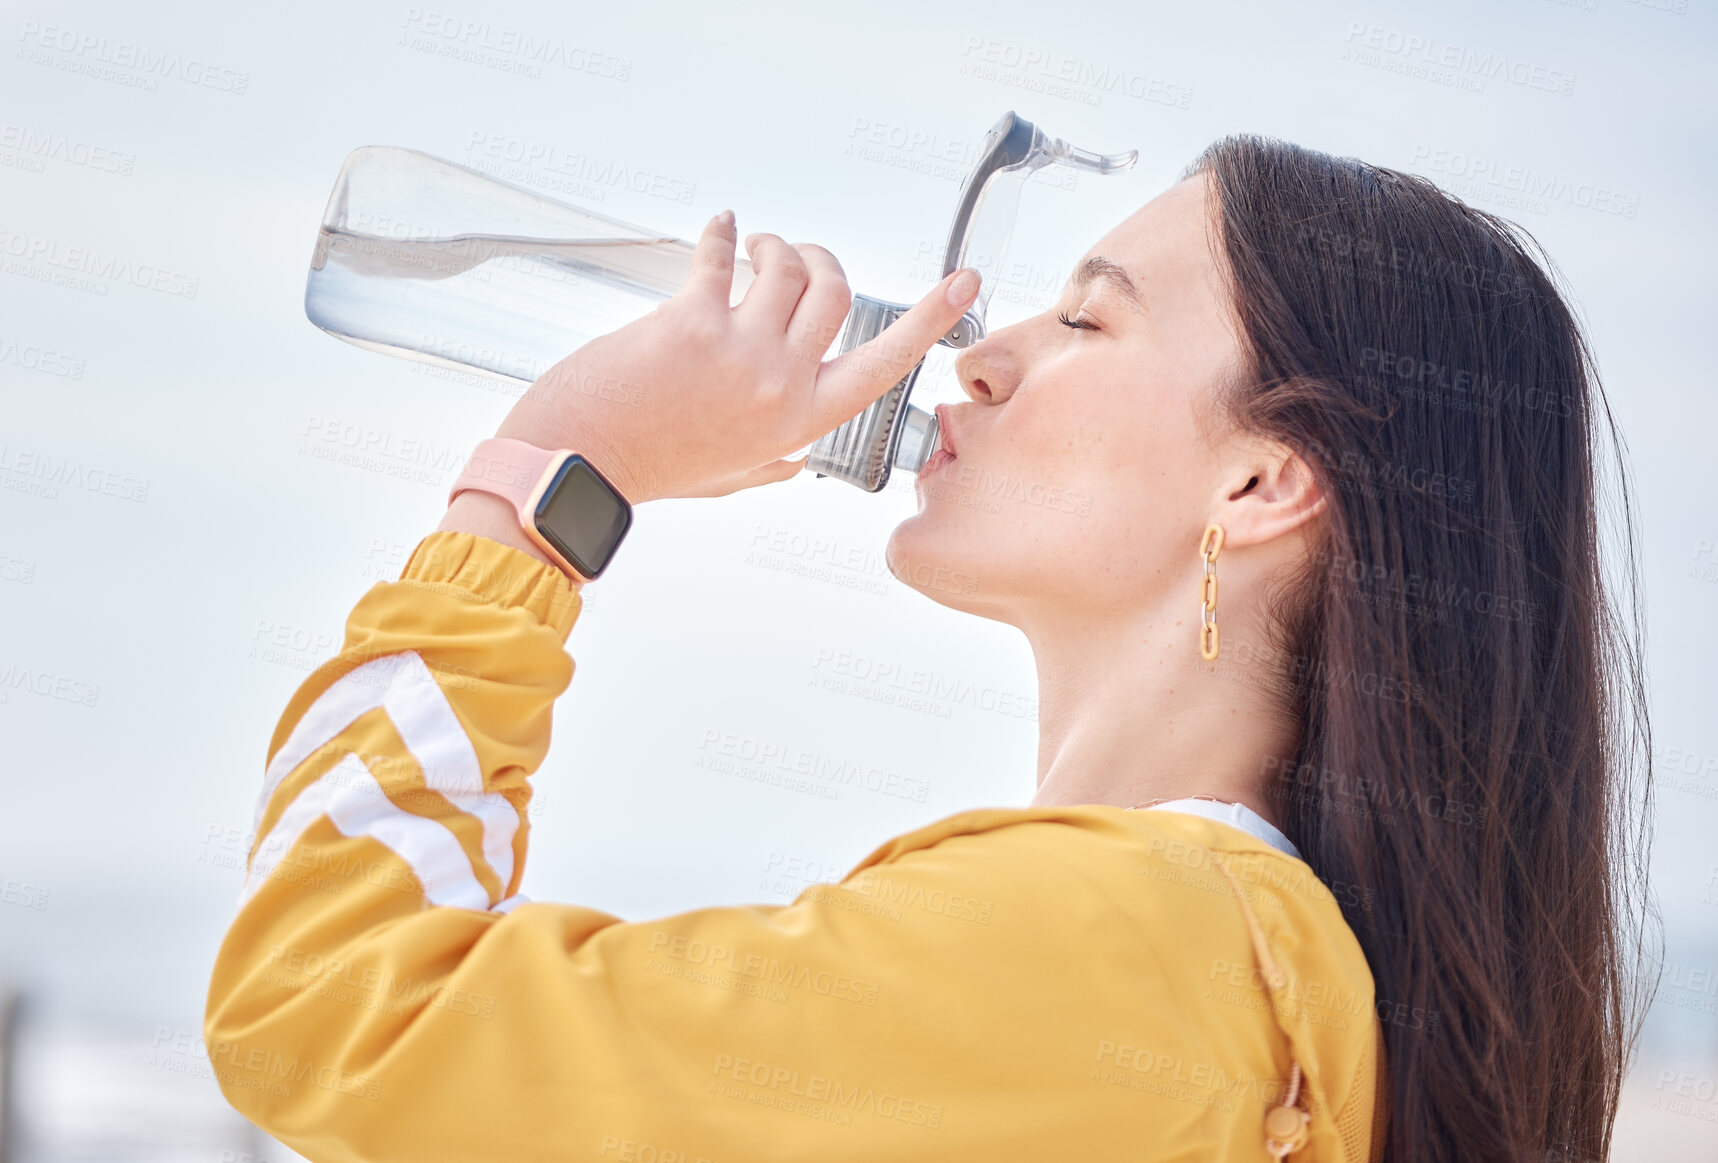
428	260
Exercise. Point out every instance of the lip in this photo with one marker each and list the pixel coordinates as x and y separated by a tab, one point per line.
936	460
945	433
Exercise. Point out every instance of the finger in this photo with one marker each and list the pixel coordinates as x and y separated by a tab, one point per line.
712	276
822	309
850	381
779	470
781	279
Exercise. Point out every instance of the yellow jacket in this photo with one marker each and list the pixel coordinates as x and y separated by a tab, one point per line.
1081	983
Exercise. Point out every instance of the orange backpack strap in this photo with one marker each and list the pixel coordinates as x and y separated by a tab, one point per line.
1287	1125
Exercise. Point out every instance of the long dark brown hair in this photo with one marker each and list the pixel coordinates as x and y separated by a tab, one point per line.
1465	672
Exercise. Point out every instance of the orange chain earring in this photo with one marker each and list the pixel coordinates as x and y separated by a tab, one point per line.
1209	547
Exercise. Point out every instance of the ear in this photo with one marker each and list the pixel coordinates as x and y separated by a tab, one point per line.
1270	492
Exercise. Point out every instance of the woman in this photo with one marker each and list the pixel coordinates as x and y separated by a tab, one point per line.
1342	875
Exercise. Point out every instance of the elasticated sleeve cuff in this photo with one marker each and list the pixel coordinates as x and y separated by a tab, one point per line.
488	571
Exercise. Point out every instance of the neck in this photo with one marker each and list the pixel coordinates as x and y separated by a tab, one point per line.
1129	712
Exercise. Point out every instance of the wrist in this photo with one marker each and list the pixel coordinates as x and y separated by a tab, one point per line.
580	437
488	515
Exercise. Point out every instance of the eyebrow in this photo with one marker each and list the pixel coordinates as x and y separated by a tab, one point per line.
1100	268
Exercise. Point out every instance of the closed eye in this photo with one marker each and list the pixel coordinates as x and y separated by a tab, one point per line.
1079	324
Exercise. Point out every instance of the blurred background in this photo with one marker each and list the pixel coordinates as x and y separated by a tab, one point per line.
181	535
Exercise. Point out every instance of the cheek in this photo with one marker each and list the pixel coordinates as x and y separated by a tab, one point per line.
1083	483
1120	472
1119	443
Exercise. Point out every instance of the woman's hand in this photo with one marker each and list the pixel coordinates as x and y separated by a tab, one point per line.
697	399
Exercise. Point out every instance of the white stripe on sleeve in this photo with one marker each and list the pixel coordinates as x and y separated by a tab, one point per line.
403	684
355	693
350	797
432	733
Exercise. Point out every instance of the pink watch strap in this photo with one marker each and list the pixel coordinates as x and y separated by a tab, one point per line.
508	468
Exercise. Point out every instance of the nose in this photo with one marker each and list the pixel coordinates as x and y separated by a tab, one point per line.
988	370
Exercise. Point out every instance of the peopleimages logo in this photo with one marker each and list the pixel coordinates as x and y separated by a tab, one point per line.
39	147
87	53
1478	174
32	257
448	35
595	174
35	358
1055	74
47	472
48	685
1448	63
378	450
253	1067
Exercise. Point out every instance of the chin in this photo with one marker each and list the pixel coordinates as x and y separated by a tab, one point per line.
932	552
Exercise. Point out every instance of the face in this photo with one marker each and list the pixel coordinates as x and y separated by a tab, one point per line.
1083	472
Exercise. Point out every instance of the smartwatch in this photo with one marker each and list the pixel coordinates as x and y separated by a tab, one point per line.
566	507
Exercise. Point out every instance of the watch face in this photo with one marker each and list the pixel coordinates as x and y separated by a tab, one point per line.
582	517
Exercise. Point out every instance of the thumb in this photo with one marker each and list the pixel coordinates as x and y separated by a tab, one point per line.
763	474
852	380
